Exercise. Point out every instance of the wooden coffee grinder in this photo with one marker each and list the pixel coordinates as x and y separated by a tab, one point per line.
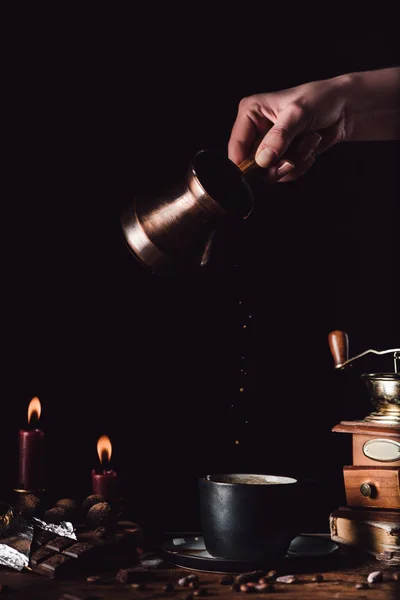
373	480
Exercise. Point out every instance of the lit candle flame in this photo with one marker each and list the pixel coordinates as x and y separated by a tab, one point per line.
104	448
34	409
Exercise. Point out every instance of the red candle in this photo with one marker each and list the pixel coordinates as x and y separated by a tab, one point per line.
104	481
31	451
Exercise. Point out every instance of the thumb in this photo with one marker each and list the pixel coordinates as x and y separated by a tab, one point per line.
291	121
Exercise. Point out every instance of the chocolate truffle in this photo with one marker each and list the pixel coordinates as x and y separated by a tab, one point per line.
89	502
55	515
29	506
99	515
68	505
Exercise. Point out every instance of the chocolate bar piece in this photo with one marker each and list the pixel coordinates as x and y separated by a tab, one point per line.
60	543
42	537
78	549
40	555
53	566
60	554
134	575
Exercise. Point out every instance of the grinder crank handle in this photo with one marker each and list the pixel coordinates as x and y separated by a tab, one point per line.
339	346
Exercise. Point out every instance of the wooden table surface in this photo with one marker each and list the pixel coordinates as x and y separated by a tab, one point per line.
340	578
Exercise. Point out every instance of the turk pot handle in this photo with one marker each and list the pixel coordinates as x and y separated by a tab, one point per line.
249	167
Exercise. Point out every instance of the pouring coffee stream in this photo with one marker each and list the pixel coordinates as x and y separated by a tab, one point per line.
175	230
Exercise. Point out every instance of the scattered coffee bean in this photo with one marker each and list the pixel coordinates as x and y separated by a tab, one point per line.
226	580
183	581
375	577
200	592
362	586
246	589
271	575
194	584
93	578
138	586
250	576
317	578
264	587
286	579
396	576
169	587
101	533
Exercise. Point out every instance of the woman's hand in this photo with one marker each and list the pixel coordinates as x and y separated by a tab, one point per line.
288	128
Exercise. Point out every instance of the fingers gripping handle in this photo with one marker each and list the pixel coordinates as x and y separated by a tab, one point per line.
339	347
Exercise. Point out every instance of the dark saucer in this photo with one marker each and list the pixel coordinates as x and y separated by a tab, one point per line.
190	552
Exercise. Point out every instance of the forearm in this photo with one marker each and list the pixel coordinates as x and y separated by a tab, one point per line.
373	105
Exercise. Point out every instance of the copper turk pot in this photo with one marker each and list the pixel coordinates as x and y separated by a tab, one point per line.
175	230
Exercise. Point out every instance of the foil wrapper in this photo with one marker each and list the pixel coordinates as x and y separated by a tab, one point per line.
16	536
64	529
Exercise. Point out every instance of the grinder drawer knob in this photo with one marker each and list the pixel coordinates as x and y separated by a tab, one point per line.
368	489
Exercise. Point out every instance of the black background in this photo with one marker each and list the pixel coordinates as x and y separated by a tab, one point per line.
105	101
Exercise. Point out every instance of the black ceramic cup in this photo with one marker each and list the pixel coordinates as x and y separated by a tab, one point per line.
248	516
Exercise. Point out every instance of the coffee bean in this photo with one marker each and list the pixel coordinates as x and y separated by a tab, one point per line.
194	584
193	577
169	587
396	576
183	581
286	579
375	577
250	576
226	580
200	592
246	589
272	575
235	587
317	578
138	586
362	586
264	587
93	578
